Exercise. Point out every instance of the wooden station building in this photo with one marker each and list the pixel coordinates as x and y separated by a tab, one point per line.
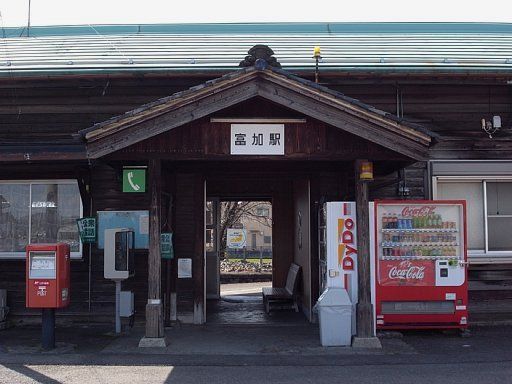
81	104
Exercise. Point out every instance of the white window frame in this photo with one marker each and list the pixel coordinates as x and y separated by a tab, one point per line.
479	255
22	255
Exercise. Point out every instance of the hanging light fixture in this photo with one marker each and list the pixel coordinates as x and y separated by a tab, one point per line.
491	127
317	55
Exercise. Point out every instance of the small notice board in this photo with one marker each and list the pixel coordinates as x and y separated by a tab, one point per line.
138	221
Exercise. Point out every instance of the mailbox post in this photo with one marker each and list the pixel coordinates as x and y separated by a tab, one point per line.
47	284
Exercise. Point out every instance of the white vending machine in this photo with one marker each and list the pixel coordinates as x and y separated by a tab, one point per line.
337	240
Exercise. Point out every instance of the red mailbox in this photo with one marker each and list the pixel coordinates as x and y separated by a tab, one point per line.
47	275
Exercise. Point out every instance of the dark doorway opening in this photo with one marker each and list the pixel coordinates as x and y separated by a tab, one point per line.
239	261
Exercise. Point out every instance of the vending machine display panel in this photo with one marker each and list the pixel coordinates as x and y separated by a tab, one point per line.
421	264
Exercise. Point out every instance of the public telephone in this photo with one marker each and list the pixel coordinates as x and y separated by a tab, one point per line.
119	263
47	275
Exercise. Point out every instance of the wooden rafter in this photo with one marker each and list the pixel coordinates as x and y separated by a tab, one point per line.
273	84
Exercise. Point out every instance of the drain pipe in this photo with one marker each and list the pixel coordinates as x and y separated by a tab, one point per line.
88	190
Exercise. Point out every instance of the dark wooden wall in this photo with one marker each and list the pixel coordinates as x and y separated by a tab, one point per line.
52	111
204	140
45	112
452	109
302	241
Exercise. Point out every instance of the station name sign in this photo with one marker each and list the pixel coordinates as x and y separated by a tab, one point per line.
257	139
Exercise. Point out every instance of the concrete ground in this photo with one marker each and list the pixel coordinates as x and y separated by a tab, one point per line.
243	288
253	352
242	304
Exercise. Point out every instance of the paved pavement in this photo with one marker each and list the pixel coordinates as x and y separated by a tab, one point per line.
254	354
406	374
243	288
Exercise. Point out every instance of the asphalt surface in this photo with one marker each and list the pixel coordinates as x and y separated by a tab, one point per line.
438	373
259	349
266	355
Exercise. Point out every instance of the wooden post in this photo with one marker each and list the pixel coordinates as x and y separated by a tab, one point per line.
198	260
364	305
168	267
154	318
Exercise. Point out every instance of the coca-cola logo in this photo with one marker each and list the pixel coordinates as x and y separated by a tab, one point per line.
418	211
406	271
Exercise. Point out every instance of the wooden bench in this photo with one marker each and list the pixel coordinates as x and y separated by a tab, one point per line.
288	294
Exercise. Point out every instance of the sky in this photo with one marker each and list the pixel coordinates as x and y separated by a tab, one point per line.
72	12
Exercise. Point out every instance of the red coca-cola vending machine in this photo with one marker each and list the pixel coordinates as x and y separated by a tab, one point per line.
420	264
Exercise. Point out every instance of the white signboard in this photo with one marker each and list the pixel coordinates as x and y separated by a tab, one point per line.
257	139
236	238
144	225
184	268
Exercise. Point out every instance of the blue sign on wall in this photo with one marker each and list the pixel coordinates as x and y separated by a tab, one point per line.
138	221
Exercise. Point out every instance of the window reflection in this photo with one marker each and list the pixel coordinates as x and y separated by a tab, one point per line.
41	213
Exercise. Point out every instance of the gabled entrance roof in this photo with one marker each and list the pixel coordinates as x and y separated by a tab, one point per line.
273	84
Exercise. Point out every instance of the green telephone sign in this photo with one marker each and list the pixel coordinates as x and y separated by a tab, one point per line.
134	180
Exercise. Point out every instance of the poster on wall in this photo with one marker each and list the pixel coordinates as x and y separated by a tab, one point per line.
236	238
138	221
184	268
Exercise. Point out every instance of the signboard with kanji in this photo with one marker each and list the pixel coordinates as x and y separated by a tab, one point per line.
257	139
166	249
134	180
87	229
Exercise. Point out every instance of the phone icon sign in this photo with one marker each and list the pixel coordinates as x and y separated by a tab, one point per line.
134	180
136	187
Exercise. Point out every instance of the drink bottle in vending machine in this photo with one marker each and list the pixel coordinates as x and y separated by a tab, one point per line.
420	264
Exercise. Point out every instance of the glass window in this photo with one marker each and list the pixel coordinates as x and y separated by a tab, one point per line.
14	217
210	240
499	198
262	212
493	211
254	241
472	192
267	239
499	233
38	212
209	213
499	216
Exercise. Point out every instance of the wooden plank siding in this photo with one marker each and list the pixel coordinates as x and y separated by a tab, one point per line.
204	140
40	111
53	111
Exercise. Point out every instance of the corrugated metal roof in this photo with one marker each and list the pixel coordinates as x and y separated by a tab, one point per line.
400	47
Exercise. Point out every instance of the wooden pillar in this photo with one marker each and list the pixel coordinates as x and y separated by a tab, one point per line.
154	318
364	305
198	259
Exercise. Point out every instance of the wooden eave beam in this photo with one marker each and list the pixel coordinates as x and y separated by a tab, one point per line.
348	107
150	121
127	135
139	115
339	118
